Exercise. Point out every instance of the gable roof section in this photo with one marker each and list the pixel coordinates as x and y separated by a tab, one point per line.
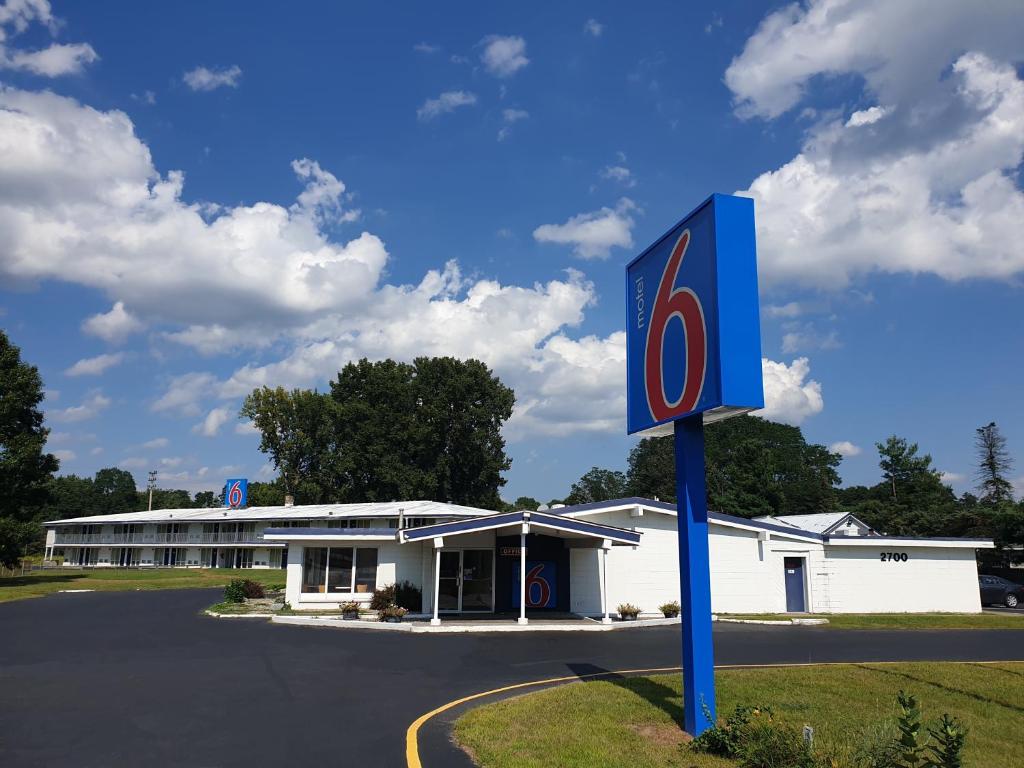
539	519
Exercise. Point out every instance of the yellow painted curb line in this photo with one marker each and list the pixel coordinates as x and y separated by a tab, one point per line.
412	752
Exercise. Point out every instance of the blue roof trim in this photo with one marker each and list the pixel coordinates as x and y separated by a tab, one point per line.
882	539
462	526
330	532
766	526
579	526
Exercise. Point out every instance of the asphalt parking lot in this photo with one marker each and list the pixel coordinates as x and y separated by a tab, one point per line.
133	678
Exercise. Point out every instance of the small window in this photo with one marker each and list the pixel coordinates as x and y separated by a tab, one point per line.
339	577
366	570
314	570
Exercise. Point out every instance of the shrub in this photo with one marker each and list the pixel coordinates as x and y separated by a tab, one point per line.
406	594
909	746
671	610
949	735
723	739
253	589
766	743
350	607
628	610
391	612
234	592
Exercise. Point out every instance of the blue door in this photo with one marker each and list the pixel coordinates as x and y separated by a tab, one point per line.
795	602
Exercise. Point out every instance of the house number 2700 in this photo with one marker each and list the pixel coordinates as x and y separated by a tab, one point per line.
894	557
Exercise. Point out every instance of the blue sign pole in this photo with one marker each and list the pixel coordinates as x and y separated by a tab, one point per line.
694	576
693	356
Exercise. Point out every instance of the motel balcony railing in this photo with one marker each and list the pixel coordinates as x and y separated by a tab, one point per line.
158	539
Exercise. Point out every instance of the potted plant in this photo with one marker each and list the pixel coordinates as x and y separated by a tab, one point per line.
671	610
628	612
391	613
350	610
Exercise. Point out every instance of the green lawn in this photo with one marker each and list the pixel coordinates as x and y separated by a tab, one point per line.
903	620
635	721
39	583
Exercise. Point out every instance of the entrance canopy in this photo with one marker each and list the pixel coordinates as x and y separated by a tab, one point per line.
567	527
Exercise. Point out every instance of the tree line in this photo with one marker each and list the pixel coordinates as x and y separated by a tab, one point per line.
756	467
431	429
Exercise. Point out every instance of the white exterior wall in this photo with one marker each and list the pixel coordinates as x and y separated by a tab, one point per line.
746	571
855	580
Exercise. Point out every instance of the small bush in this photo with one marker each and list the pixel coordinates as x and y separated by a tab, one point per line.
391	612
234	592
723	739
671	610
405	594
628	610
350	607
239	589
770	744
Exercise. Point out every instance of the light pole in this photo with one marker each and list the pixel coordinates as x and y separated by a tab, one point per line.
152	485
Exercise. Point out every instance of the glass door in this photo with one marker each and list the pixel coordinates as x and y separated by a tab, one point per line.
477	580
449	582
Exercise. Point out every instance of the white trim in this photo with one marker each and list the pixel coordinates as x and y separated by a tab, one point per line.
895	543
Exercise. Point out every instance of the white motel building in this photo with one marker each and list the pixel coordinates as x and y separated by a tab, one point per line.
584	559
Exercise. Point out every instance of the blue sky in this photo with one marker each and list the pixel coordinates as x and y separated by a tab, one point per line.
197	199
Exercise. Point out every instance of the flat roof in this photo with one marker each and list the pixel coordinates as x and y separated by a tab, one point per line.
421	508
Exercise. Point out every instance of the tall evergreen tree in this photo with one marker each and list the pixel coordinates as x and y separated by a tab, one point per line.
994	465
25	467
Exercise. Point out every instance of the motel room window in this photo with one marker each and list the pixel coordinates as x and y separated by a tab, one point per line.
340	570
314	570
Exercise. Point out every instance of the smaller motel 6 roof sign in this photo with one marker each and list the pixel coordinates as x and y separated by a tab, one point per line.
693	338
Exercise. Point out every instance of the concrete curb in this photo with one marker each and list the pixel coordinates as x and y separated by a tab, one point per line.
484	626
774	622
216	615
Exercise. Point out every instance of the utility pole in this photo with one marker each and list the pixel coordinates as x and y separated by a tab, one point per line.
152	485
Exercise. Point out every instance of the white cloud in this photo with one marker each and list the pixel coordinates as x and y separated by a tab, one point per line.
789	396
185	392
156	442
503	56
426	48
932	188
96	451
113	326
790	310
504	133
952	478
619	173
866	116
514	115
53	61
206	79
94	366
593	27
133	462
593	234
171	461
146	97
84	204
246	429
448	101
808	338
65	455
215	419
845	448
90	407
900	49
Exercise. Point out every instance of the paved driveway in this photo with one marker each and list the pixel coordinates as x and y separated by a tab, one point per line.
142	678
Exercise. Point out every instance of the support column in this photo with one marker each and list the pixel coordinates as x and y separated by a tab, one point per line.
604	581
694	576
438	543
522	574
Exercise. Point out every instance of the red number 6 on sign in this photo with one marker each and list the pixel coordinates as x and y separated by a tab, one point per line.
681	303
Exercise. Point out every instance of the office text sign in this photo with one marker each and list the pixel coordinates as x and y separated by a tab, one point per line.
693	337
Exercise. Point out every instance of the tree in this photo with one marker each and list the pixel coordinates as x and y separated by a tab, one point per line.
204	499
900	463
428	430
70	496
994	464
524	502
296	429
25	468
597	485
116	492
387	430
752	467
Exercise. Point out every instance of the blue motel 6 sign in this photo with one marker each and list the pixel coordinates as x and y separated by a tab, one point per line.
236	493
693	355
693	335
